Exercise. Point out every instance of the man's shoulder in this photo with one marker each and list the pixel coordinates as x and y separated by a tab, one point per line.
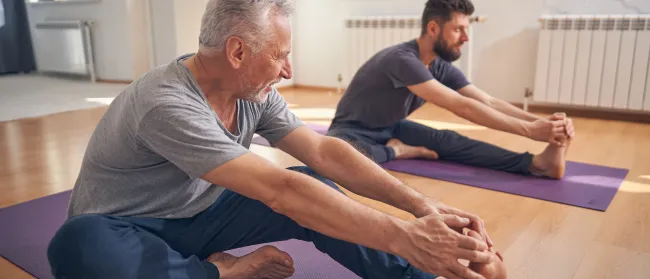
443	67
390	57
449	74
170	83
402	51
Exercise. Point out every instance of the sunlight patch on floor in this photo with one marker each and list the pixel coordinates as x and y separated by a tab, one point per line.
314	113
105	101
441	125
310	114
645	177
635	187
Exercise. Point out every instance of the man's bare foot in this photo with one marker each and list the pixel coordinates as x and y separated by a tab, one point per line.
403	151
494	270
264	263
551	161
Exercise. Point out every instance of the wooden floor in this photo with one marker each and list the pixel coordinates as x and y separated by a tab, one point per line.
41	156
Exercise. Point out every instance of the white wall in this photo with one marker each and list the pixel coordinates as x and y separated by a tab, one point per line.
132	36
139	36
504	47
176	26
121	52
163	31
188	24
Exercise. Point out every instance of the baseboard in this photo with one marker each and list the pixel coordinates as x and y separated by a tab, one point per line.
589	112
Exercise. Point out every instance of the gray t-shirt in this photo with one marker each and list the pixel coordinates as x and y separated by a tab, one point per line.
156	140
378	97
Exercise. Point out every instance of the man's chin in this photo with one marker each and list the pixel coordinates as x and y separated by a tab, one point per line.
451	57
258	98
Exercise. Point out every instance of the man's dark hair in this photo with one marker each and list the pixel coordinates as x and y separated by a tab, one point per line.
441	10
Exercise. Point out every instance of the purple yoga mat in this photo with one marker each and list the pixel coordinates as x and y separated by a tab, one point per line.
27	228
584	185
309	262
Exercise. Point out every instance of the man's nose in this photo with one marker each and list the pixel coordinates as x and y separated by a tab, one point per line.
465	36
286	70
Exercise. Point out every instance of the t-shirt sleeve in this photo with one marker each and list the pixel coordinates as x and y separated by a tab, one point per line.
276	120
404	69
453	77
188	137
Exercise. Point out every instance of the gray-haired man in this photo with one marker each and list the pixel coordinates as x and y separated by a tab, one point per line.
168	183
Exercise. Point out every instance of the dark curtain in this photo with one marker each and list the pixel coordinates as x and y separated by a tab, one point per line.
16	51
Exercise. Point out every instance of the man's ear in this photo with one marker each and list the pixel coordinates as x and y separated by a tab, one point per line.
433	28
235	51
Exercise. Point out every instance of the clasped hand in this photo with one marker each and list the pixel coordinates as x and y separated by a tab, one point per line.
554	129
434	242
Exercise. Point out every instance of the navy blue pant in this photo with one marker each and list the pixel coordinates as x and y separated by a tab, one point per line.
449	145
100	246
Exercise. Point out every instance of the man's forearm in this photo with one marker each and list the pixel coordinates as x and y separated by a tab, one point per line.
314	205
342	163
485	115
509	109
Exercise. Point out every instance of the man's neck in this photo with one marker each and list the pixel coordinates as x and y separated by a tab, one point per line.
211	82
425	48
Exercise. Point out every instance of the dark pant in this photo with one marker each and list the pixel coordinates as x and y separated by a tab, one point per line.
449	145
101	246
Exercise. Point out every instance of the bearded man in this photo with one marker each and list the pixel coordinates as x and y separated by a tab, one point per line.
401	78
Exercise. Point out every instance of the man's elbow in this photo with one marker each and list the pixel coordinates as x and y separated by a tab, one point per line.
333	149
278	198
490	102
461	107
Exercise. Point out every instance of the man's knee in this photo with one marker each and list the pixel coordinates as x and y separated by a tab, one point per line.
79	249
71	234
65	248
312	173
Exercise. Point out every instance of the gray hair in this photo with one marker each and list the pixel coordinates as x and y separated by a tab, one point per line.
247	19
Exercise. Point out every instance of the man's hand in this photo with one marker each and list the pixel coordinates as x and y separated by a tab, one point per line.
548	130
431	206
570	132
431	245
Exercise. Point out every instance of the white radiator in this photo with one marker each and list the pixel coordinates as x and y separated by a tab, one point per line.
64	47
368	35
594	61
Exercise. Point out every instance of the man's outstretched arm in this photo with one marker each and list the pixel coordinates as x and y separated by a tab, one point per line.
479	113
428	242
339	161
471	91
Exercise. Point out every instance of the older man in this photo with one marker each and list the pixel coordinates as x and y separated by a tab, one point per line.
168	183
401	78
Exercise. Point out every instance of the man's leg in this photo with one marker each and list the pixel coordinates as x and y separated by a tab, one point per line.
455	147
371	143
236	221
98	246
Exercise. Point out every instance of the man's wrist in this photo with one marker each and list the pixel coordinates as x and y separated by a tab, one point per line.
525	128
420	206
533	117
397	230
